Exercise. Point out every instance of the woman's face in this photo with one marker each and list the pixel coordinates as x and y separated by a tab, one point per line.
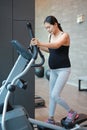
50	28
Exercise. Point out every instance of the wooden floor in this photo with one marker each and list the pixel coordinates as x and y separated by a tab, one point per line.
77	100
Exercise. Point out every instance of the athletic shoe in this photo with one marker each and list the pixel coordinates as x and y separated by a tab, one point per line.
71	117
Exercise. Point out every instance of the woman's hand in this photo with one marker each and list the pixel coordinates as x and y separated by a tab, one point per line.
34	41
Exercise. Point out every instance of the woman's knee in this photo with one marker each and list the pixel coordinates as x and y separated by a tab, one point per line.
55	96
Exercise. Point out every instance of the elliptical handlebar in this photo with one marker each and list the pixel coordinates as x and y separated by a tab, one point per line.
35	49
31	35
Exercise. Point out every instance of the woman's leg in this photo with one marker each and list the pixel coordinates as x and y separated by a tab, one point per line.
63	75
52	103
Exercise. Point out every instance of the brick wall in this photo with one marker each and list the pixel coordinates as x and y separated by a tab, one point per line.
66	12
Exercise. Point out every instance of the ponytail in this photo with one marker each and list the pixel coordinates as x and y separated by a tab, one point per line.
60	28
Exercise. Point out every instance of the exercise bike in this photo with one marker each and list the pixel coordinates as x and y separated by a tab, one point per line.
16	117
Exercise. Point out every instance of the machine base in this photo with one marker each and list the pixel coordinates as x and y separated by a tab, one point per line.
16	119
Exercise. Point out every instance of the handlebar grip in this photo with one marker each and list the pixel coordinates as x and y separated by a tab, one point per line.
35	48
31	35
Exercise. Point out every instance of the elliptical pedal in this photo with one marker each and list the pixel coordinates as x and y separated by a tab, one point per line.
82	118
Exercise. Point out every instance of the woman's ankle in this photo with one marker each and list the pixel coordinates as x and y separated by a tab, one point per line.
71	110
51	118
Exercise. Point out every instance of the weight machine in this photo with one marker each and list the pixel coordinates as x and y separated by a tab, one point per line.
16	117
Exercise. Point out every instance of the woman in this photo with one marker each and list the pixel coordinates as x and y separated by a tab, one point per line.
59	63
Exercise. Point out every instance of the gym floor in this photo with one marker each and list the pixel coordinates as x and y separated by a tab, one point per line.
76	99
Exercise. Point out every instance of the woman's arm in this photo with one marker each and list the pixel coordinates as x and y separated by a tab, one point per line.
63	40
44	49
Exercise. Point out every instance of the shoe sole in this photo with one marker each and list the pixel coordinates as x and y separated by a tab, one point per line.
76	117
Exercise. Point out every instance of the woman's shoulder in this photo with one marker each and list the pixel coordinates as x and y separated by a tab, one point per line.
65	35
67	38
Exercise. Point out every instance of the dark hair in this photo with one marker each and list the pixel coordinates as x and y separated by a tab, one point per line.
52	20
